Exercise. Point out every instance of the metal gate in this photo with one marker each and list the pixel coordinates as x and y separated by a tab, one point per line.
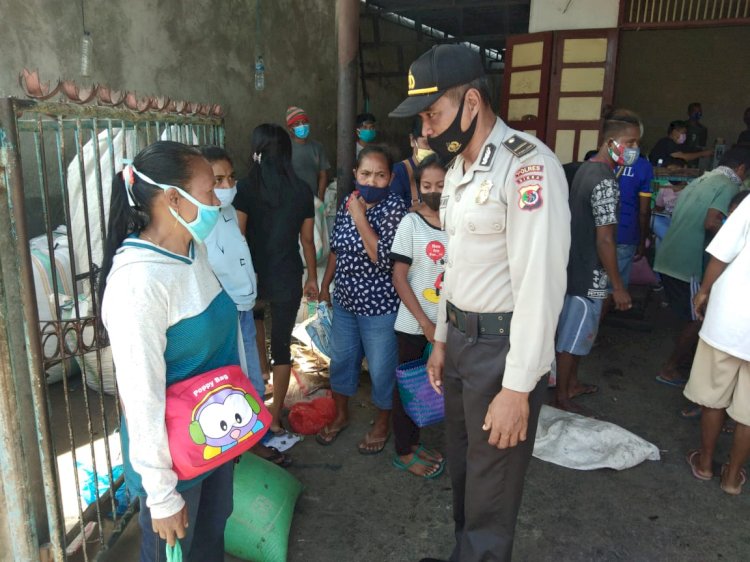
59	409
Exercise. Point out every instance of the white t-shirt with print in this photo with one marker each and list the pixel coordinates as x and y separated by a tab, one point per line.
727	323
423	247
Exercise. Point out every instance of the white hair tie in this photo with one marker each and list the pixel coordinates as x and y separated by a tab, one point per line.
257	157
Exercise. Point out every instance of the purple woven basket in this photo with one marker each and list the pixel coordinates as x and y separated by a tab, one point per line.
422	404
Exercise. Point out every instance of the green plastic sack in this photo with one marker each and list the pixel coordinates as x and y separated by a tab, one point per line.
264	499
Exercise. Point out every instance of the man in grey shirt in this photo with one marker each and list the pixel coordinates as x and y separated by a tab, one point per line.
308	157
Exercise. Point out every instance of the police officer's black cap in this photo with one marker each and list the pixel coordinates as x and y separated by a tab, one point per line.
439	69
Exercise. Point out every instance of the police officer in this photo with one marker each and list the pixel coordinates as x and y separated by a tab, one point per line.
505	208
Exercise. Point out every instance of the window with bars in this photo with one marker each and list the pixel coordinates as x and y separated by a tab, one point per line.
683	13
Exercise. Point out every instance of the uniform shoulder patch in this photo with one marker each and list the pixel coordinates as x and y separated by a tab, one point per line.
518	146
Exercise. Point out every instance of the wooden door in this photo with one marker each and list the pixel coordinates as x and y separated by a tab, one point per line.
581	85
528	60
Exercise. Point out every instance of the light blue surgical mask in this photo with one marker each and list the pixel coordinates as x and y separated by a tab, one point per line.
208	215
367	135
301	131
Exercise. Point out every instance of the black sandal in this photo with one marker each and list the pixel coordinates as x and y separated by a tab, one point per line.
278	458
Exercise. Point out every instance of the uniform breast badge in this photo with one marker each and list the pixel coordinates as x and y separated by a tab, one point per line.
484	192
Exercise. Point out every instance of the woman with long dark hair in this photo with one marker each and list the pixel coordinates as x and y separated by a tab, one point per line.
275	211
168	320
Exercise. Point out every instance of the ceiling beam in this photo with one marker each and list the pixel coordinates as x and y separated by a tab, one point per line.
422	6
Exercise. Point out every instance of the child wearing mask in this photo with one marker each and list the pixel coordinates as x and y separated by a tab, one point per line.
366	131
418	254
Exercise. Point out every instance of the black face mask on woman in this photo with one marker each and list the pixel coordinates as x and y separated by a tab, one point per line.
453	140
432	200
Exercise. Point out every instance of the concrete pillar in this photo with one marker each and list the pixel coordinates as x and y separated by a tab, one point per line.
347	20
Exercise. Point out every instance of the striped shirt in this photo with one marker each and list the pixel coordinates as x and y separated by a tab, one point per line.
423	247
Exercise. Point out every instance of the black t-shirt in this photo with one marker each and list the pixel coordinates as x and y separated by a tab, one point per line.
744	137
593	199
273	236
663	151
697	137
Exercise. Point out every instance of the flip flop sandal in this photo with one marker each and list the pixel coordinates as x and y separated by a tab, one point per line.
677	383
430	453
690	458
363	445
691	412
743	478
278	458
587	390
397	463
320	437
728	427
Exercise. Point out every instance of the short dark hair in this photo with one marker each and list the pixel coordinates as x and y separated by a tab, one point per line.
432	161
617	120
678	124
363	118
736	157
215	154
480	84
371	149
692	105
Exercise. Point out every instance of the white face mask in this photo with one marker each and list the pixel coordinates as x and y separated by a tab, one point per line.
226	195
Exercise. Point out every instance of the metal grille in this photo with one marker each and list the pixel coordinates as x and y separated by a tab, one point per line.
61	158
682	13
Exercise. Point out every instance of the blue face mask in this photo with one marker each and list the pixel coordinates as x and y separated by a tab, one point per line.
372	194
301	131
367	135
208	215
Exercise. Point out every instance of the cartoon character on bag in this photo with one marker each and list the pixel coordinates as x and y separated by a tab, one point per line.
223	418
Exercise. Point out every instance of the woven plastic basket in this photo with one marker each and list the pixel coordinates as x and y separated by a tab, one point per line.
422	404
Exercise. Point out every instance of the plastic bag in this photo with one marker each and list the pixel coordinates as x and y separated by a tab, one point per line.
308	418
93	487
319	329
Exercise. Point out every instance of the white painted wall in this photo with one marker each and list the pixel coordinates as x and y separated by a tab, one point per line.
549	15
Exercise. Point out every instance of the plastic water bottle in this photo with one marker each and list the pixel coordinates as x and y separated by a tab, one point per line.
260	74
86	45
719	149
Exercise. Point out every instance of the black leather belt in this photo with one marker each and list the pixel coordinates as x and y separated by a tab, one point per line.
488	323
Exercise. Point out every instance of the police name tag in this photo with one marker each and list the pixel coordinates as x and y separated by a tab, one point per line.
484	192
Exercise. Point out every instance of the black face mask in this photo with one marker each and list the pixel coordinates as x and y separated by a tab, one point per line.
432	200
453	140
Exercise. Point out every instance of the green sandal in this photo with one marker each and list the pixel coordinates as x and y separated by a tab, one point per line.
397	463
430	453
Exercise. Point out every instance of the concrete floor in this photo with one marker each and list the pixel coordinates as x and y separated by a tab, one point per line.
359	508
